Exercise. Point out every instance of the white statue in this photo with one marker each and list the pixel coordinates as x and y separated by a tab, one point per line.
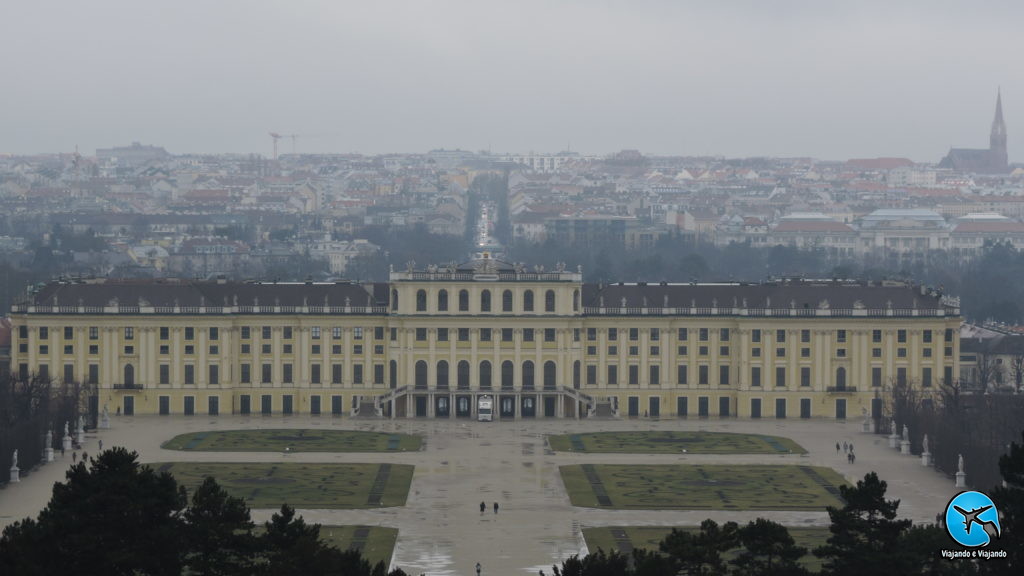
106	413
14	459
924	444
906	432
66	428
960	464
49	439
892	426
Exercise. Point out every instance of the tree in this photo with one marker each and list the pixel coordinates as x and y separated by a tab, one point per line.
1017	369
220	534
115	517
865	533
595	564
768	549
701	554
294	548
1010	501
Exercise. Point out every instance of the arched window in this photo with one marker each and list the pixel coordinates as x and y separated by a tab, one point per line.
485	301
421	375
506	301
463	375
506	375
549	375
421	300
528	375
841	378
575	300
528	301
576	374
129	375
485	375
394	300
442	374
549	301
393	380
463	300
442	301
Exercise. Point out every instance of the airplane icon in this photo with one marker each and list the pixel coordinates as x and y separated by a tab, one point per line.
971	517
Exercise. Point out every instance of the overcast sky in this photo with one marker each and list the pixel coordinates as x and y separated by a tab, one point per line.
831	80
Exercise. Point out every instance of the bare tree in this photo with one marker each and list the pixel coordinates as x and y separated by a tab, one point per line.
986	370
1017	369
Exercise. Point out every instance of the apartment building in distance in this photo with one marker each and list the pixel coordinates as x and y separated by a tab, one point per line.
543	344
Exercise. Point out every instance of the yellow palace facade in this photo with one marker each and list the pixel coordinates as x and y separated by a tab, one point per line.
430	343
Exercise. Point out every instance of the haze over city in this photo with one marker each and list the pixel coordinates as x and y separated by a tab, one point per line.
791	78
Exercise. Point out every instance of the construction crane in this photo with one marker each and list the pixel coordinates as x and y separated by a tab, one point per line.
275	137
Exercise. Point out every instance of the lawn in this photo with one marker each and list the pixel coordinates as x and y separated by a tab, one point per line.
268	485
673	442
702	487
295	440
625	538
375	543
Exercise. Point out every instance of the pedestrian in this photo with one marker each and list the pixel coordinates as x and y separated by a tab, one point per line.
849	458
837	447
85	456
118	410
846	447
483	506
74	457
851	447
101	445
495	507
61	450
853	458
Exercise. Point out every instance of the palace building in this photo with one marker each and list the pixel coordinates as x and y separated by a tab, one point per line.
541	344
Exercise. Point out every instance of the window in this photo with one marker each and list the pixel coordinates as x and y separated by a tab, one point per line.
214	350
378	373
948	351
314	373
44	332
780	336
527	334
23	331
463	301
165	373
94	349
336	371
549	301
780	376
287	377
129	333
287	349
421	334
357	349
613	333
190	350
683	350
805	376
805	336
69	349
69	333
682	334
528	375
901	336
901	376
702	375
357	333
655	350
265	333
681	375
394	300
841	353
613	375
246	348
876	336
949	335
634	334
702	335
94	333
806	352
634	374
723	375
268	370
485	334
927	336
723	350
901	352
876	376
654	334
394	334
926	377
528	301
591	350
506	301
702	350
379	348
876	352
129	349
591	334
591	374
421	300
755	375
214	374
214	333
442	336
265	349
190	333
755	335
613	350
190	374
378	333
780	352
506	334
485	375
927	352
485	301
44	349
463	334
336	332
442	301
723	334
357	373
549	334
315	332
840	335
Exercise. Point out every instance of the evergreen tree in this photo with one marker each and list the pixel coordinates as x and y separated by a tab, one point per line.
768	549
220	533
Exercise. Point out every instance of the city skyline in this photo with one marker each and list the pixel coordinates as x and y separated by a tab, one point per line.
793	79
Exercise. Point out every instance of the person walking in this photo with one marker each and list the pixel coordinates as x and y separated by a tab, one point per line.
483	506
101	445
846	447
837	447
495	507
74	457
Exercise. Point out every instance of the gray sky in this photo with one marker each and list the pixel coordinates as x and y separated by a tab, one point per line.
831	80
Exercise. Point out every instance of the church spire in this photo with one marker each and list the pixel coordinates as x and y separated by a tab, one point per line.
997	139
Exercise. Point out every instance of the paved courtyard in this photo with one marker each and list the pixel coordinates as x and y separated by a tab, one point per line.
441	529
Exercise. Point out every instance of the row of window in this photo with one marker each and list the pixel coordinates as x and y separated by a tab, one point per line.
507	301
213	333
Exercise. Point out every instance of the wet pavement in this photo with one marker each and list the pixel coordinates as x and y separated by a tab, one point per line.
441	528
